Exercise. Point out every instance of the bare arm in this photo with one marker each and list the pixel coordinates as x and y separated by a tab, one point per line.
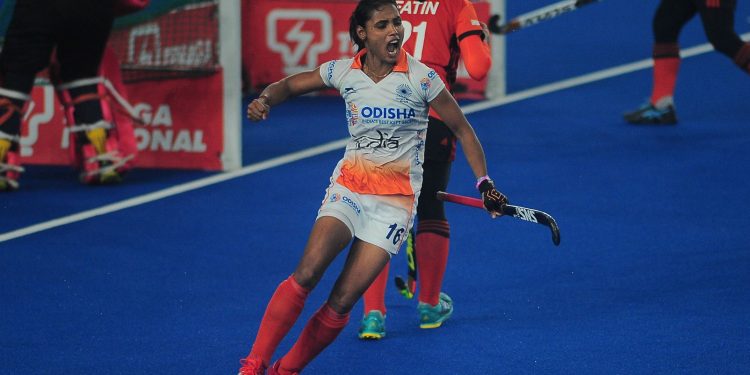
278	92
447	108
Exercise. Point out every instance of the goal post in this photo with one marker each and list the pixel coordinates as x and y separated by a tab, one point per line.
496	84
230	47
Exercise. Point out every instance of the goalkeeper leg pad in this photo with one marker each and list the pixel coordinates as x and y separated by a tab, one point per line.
10	127
95	147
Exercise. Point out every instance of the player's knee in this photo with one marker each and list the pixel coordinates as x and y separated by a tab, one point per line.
429	208
342	300
307	277
665	31
724	41
742	57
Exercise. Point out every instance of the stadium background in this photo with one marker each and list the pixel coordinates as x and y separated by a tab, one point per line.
651	276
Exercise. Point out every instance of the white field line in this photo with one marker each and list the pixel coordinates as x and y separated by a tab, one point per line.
584	79
174	190
335	145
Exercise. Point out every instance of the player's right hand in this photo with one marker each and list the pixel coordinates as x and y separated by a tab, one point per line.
493	200
258	109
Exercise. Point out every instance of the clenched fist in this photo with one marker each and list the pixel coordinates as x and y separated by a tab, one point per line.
258	109
493	200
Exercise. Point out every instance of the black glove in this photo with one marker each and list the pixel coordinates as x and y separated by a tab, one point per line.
493	200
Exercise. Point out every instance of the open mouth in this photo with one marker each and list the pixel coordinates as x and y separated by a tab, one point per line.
392	47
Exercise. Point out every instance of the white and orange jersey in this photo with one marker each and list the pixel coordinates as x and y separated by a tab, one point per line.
387	122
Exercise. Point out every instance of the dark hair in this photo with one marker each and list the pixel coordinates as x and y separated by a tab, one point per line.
362	14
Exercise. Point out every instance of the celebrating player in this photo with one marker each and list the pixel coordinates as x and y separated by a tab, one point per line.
671	15
440	33
373	193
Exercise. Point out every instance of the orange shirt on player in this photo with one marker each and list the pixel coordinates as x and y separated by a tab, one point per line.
438	32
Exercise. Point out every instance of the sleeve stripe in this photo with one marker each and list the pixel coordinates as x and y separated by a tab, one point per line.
470	33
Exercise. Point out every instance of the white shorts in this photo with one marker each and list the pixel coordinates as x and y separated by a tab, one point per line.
382	220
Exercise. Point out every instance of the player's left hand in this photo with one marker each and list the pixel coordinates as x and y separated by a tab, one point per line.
493	200
258	109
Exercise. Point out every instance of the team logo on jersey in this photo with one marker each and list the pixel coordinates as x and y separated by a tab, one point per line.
421	135
349	202
381	141
425	84
329	71
352	114
334	198
403	92
389	113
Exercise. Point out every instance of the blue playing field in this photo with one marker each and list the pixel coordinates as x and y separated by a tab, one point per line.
652	275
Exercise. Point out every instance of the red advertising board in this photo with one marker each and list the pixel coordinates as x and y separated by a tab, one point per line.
282	37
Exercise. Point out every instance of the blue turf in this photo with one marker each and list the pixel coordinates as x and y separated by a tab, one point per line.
652	276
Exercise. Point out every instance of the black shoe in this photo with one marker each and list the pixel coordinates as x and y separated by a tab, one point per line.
647	114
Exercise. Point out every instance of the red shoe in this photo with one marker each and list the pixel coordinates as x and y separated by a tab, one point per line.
252	366
275	370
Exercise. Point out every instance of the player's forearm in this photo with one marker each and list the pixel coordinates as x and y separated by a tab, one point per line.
472	150
276	92
447	108
294	85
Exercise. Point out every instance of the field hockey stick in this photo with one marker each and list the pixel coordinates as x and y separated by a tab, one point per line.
409	286
535	16
523	213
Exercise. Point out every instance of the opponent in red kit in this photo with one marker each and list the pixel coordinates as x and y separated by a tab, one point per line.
717	17
437	33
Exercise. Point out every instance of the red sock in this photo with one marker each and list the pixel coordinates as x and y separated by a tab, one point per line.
433	240
322	328
666	65
742	58
282	311
374	296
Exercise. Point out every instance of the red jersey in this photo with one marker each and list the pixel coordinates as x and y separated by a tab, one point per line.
433	30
